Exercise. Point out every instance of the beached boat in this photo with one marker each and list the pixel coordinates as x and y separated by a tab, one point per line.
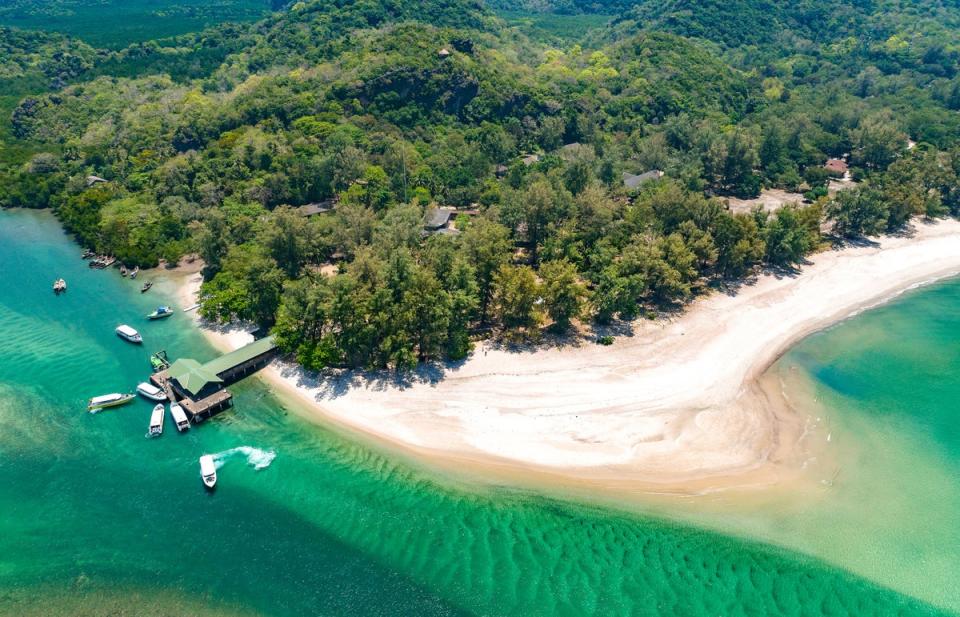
59	286
146	287
108	400
159	361
179	417
156	421
123	270
129	334
135	272
192	307
161	312
208	470
150	391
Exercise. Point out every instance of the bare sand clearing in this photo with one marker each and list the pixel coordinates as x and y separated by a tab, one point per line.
678	407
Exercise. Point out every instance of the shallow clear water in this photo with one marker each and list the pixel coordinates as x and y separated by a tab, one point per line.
95	519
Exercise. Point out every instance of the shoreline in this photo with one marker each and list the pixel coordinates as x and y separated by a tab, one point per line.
679	407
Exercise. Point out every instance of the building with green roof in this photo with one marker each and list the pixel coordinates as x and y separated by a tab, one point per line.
193	378
196	381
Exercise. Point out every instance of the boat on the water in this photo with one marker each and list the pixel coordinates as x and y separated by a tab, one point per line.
150	391
59	286
87	254
208	470
156	421
159	361
179	417
129	334
146	287
102	262
161	312
135	272
108	400
123	270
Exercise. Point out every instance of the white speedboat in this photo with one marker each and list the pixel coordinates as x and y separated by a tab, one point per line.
150	391
179	417
156	421
129	334
108	400
208	471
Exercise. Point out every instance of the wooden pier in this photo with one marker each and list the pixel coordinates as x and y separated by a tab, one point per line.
200	388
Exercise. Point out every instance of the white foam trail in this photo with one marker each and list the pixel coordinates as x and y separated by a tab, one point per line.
257	458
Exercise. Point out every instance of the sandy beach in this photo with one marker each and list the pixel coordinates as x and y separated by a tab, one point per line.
678	406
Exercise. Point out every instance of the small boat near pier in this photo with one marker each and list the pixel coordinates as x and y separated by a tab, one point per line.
179	417
129	334
152	392
159	361
156	421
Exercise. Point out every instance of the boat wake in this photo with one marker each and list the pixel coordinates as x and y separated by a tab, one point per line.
256	458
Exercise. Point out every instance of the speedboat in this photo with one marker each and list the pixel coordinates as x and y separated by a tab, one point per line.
150	391
161	312
108	400
179	417
156	421
59	285
208	470
135	272
129	334
146	287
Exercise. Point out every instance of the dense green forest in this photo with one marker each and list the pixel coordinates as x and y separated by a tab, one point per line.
115	24
467	175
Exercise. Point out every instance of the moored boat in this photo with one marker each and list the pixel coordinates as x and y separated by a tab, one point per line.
159	361
156	421
161	312
208	470
179	417
129	334
123	270
135	272
59	286
150	391
146	287
108	400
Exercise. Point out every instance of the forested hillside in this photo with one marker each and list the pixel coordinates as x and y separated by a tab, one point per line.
117	23
462	179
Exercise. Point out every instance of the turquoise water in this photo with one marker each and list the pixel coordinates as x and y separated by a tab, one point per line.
95	519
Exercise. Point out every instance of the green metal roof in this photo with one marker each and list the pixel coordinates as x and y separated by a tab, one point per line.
191	375
244	354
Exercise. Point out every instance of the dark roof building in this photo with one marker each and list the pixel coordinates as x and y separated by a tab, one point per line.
320	207
632	181
437	218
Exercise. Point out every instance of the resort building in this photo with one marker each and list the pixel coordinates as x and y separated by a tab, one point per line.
200	388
